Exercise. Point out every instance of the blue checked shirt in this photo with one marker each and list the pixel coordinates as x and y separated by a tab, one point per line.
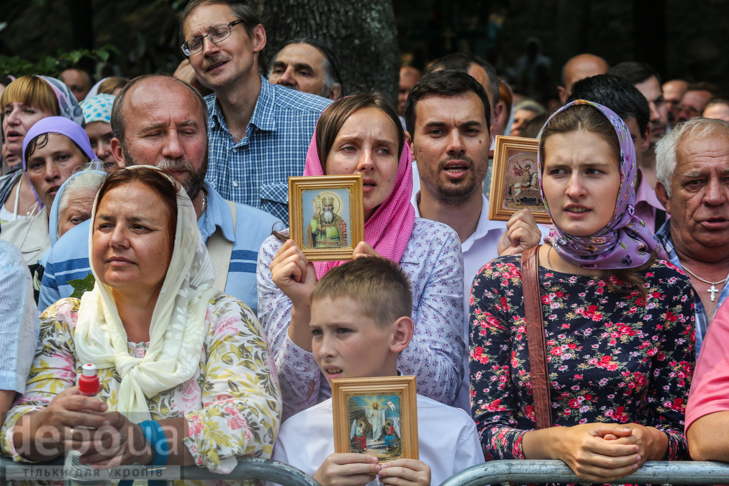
702	320
255	170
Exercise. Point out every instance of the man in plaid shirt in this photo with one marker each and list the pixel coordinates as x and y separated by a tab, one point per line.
259	133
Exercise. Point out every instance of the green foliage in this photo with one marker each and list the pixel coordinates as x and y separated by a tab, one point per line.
82	285
53	65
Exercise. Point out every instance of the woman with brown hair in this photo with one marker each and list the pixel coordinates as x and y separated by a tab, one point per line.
23	103
362	134
617	319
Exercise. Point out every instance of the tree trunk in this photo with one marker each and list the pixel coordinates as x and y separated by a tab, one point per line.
362	35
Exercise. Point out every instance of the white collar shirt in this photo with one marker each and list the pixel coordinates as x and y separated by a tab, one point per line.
447	439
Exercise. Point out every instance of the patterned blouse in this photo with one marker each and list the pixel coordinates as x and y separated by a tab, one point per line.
232	405
434	263
612	357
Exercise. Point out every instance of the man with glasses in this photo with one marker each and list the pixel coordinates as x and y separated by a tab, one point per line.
694	100
259	133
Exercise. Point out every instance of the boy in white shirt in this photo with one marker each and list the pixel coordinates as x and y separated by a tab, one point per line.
360	323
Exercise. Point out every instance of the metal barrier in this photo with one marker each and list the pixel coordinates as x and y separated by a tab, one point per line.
247	468
528	471
493	472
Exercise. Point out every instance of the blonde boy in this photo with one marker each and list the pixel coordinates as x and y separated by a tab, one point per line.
360	323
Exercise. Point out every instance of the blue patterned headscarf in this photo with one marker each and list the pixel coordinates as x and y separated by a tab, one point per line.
625	242
98	108
66	101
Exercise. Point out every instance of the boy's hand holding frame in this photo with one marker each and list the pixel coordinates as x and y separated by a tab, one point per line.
345	467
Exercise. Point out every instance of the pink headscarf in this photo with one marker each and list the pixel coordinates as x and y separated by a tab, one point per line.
388	230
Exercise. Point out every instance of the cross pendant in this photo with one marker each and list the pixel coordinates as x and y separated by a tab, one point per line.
713	290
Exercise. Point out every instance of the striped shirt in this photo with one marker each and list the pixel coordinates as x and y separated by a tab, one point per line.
702	320
255	170
69	258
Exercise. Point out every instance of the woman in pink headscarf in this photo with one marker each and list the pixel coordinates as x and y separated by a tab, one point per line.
362	134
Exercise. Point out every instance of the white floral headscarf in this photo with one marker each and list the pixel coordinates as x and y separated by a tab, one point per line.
177	329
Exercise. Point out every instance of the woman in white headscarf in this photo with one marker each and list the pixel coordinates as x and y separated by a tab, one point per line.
181	365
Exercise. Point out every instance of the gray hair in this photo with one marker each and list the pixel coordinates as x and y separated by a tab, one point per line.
667	147
84	180
331	63
530	105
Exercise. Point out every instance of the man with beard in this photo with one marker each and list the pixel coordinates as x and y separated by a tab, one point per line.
449	116
259	132
161	121
327	229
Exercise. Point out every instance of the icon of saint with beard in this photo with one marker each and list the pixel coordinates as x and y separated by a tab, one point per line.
327	229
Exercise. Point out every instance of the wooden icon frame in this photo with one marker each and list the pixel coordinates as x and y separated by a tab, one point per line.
300	189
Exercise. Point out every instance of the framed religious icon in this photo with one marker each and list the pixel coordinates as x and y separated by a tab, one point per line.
515	181
376	416
326	215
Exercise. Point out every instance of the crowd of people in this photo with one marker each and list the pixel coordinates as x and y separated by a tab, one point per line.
143	229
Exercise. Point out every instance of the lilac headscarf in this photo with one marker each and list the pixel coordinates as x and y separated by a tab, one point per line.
625	242
63	126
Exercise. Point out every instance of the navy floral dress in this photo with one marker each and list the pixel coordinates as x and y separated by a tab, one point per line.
612	357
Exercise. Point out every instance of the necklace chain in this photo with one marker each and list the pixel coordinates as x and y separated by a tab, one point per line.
548	260
204	203
28	209
711	290
705	281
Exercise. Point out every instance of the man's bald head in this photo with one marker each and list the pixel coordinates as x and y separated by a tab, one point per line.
580	67
162	121
119	117
78	81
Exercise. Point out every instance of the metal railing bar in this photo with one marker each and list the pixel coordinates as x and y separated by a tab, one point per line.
247	468
532	471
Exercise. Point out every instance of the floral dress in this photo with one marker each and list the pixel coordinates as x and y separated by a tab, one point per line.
612	357
232	405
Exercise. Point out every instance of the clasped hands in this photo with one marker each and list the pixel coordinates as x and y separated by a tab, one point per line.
73	421
605	452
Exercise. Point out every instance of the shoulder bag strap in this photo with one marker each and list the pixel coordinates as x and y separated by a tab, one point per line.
221	250
535	338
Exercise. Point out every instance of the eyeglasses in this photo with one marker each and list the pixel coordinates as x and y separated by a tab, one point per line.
217	34
693	112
